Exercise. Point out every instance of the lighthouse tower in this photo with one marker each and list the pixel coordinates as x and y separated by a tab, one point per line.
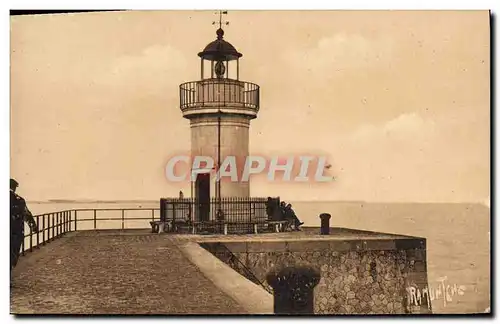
219	107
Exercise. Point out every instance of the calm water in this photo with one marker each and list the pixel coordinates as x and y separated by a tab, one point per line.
457	237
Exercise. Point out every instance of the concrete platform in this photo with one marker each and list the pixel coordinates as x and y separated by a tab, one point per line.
114	272
137	272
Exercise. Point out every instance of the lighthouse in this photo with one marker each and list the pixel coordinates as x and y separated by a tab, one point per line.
219	107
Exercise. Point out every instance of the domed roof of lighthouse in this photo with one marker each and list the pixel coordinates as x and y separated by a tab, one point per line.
220	50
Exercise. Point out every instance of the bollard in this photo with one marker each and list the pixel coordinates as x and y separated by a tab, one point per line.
325	223
294	289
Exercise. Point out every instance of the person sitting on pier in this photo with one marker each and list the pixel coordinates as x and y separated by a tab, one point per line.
283	210
294	220
273	209
284	215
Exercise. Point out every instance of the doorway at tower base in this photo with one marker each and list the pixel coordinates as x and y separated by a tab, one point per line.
205	184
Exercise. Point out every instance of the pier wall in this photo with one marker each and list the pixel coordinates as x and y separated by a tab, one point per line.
357	276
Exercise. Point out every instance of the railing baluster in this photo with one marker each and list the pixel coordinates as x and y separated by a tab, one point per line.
58	224
95	219
48	227
38	232
173	216
31	239
53	228
76	220
43	229
123	218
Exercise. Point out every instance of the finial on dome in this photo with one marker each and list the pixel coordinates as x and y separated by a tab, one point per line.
220	33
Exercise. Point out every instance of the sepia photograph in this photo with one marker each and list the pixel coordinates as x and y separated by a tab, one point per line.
250	162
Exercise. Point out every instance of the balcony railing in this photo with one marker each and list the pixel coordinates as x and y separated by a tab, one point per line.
221	93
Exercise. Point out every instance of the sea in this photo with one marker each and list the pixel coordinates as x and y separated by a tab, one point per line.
458	237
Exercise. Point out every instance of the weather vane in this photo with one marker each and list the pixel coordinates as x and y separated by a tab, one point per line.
221	22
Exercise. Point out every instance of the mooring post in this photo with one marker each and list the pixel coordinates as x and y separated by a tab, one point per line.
325	223
294	289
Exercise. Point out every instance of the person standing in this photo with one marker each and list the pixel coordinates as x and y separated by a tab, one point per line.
19	213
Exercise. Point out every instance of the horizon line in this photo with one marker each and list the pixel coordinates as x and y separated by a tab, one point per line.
293	200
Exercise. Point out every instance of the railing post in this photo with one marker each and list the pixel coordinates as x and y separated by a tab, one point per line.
70	214
43	229
95	219
38	232
123	219
76	220
173	216
48	227
58	224
53	227
31	239
22	246
152	215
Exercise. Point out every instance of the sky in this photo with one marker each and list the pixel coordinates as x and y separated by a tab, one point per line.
399	101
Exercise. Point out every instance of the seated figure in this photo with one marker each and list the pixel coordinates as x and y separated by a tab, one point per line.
272	209
292	217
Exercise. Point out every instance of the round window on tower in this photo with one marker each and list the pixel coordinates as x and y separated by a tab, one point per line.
220	69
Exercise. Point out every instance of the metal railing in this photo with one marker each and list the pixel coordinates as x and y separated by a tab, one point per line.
220	93
55	224
215	215
221	251
224	215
